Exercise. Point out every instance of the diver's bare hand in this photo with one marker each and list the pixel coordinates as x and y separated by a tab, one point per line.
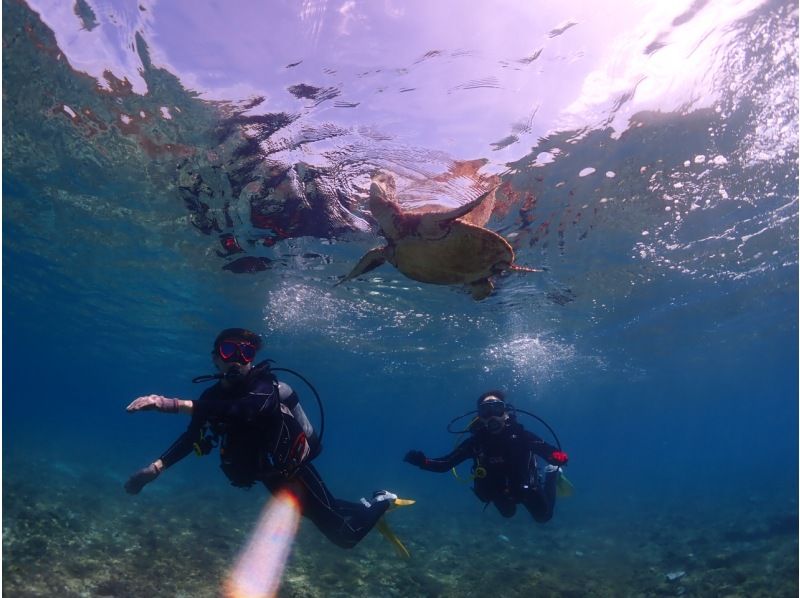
159	403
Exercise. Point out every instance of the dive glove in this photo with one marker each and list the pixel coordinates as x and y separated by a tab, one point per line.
415	458
142	477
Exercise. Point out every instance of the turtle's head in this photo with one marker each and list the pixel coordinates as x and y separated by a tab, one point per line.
382	198
383	186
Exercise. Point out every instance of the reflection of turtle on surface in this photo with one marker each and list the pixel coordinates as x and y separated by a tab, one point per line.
435	247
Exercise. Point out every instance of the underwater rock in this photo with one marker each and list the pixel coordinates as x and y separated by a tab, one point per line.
248	265
561	297
210	156
236	188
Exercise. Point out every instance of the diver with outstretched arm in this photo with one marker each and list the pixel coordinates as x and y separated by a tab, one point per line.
504	461
263	436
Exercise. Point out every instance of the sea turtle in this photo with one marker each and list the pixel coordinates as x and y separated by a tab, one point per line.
435	247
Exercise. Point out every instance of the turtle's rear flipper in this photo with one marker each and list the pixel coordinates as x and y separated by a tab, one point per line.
481	289
516	268
371	260
432	223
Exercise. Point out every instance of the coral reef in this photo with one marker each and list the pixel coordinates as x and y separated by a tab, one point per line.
69	532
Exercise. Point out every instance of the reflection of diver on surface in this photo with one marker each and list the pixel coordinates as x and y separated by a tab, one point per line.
263	435
504	460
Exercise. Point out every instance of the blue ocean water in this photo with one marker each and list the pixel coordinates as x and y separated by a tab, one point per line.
659	191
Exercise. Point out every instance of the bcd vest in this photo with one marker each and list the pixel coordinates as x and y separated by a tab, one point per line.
276	444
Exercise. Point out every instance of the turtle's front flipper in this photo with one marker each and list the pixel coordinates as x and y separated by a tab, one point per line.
371	260
432	223
481	289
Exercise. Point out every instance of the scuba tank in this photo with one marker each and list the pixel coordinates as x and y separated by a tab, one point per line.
292	402
299	413
293	439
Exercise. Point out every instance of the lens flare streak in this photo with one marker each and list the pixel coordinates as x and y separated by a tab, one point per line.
259	567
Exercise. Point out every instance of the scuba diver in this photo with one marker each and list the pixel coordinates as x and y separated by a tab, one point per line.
263	436
504	455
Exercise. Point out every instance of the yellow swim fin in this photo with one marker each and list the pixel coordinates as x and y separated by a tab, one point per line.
387	532
403	502
563	486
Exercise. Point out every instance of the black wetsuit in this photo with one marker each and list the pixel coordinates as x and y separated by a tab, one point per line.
260	441
504	469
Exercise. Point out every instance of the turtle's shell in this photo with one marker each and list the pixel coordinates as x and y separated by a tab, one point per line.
465	254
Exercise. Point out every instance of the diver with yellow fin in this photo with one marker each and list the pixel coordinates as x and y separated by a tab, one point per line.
504	460
263	437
